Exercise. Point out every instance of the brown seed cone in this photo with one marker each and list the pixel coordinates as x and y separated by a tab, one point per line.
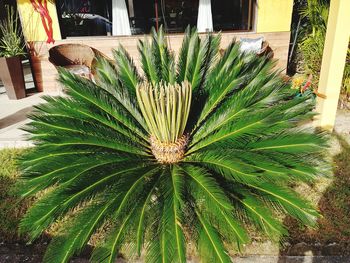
169	152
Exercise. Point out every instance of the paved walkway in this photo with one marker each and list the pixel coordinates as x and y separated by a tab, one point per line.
13	116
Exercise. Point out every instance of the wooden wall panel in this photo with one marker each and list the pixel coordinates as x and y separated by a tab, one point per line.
279	42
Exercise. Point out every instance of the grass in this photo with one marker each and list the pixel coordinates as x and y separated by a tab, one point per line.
331	195
11	209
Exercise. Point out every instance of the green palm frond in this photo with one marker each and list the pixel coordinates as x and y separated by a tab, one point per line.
290	202
210	245
253	210
192	150
171	236
204	187
127	72
196	56
149	66
74	237
233	229
163	58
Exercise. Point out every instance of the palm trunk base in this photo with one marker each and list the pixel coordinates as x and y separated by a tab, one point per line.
172	152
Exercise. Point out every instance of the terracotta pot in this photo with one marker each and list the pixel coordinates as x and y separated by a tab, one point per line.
37	72
11	74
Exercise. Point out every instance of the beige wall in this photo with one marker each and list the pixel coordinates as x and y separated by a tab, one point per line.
274	15
279	42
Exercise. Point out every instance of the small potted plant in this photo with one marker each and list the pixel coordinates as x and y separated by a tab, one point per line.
304	86
11	52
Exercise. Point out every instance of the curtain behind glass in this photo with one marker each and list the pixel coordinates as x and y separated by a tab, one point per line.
205	18
120	19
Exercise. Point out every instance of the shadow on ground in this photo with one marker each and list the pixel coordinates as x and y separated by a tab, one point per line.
332	236
16	117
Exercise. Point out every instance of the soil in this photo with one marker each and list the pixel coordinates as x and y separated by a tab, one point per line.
22	253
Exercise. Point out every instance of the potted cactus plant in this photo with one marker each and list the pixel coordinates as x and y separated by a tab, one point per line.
11	52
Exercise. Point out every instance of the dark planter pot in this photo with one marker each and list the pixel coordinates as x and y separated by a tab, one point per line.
11	74
37	72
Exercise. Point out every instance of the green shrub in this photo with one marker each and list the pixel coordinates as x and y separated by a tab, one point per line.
346	78
312	38
11	41
11	209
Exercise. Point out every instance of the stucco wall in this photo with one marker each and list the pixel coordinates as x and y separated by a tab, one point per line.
274	15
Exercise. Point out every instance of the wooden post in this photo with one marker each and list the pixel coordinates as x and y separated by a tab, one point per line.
333	62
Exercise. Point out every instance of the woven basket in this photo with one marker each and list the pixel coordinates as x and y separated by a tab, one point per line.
71	54
265	50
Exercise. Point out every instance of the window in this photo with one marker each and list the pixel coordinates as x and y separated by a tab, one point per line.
94	17
84	17
232	15
142	16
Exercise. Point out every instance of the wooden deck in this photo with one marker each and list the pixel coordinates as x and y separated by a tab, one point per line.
46	77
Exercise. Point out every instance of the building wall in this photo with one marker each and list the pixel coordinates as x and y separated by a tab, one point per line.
274	15
46	76
273	23
271	16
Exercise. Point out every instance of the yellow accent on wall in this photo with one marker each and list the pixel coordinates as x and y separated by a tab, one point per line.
33	29
274	15
333	62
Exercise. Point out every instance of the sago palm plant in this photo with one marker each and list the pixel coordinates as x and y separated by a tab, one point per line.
185	154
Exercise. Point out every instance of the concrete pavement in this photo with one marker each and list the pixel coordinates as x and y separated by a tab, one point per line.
13	116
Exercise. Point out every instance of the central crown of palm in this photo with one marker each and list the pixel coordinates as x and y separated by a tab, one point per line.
192	152
165	108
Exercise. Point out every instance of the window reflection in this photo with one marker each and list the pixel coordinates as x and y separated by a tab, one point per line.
84	17
232	15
